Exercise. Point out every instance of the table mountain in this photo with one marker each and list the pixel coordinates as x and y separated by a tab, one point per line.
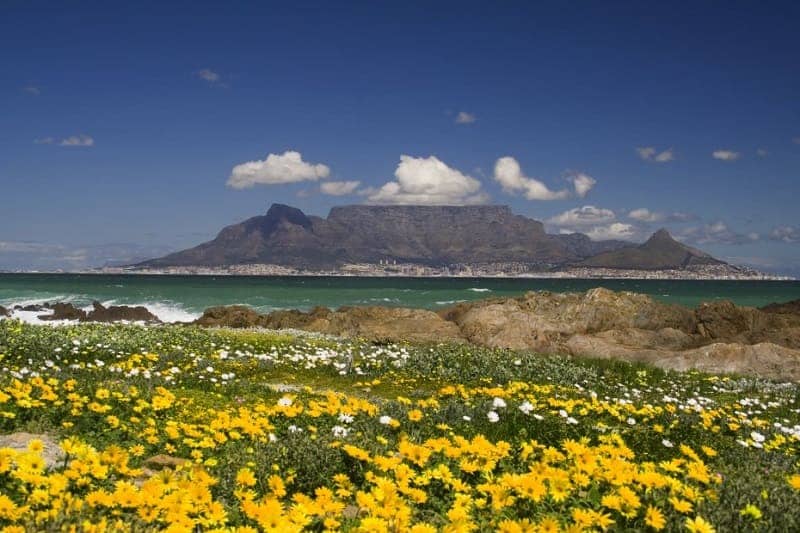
426	235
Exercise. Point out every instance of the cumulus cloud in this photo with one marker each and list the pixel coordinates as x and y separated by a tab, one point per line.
645	215
596	222
339	188
72	140
649	153
465	118
77	140
208	75
615	230
790	234
716	233
726	155
508	174
428	181
287	167
578	217
583	183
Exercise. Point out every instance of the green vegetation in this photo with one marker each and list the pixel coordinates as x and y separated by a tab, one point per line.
262	431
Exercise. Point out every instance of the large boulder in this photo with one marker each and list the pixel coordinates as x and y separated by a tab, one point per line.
723	321
230	316
544	320
117	313
392	324
766	360
4	311
315	320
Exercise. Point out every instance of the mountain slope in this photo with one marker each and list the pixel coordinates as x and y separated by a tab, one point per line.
660	251
428	235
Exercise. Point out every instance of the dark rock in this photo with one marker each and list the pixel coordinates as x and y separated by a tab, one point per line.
64	311
230	316
4	311
792	307
34	307
294	319
117	313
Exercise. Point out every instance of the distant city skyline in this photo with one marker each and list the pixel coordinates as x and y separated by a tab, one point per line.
134	129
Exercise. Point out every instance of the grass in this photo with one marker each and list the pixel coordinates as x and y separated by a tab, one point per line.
299	433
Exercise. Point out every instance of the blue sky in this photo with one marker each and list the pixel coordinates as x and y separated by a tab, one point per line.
125	122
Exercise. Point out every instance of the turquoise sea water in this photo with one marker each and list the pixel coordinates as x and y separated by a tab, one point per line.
185	297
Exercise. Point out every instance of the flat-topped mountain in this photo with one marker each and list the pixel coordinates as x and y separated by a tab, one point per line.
660	252
425	235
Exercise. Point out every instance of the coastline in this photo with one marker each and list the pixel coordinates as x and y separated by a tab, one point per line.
581	274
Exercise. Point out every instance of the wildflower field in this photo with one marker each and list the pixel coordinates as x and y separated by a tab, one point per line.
186	429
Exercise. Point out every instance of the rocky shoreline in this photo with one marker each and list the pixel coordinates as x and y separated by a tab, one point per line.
717	337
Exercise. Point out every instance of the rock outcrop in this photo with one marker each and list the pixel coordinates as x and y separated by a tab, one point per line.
715	337
51	453
789	308
64	311
4	311
117	313
99	313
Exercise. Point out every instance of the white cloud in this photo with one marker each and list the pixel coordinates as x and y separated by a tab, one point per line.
208	75
716	233
339	188
508	173
428	181
595	222
72	140
649	153
790	234
287	167
762	152
587	215
583	183
465	118
77	140
665	157
33	91
726	155
615	230
645	215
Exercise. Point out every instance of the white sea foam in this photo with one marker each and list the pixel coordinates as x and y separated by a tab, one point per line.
479	289
170	312
449	302
165	311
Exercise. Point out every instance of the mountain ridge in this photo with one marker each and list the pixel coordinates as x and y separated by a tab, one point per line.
426	235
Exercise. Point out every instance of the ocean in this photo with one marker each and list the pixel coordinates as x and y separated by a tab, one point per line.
183	298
